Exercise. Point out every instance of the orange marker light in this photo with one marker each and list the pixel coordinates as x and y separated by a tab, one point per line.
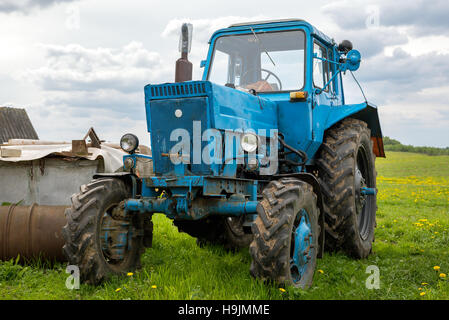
298	95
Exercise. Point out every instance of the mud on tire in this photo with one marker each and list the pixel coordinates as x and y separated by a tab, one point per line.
83	246
272	246
349	225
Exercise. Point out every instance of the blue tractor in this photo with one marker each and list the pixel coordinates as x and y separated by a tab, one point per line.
263	153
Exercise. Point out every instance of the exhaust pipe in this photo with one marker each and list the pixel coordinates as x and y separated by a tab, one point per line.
184	68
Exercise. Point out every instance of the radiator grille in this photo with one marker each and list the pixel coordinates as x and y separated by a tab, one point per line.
174	90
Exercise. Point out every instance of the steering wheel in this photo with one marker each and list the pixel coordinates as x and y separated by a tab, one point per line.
270	73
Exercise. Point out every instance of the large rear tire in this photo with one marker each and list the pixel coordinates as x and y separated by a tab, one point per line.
286	232
91	232
346	164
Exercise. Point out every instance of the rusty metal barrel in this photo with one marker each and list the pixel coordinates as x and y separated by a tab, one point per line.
32	232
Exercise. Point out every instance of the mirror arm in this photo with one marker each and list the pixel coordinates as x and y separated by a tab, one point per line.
340	69
326	60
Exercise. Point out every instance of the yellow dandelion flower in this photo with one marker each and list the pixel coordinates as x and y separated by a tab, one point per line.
442	275
153	287
422	293
436	268
130	274
118	289
320	271
419	289
424	284
282	290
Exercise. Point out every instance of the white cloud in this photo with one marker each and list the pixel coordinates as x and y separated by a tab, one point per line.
420	16
98	87
25	6
95	75
204	28
76	68
405	65
57	123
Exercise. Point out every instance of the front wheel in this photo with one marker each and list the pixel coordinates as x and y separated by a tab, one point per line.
97	240
286	232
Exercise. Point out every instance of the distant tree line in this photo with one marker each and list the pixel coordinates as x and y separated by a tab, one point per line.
395	145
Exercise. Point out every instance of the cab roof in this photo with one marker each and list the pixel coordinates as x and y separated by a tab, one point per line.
275	23
265	22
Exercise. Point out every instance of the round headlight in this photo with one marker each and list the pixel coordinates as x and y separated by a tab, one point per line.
249	142
129	143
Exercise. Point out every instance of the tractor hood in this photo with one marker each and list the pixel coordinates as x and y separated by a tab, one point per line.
172	106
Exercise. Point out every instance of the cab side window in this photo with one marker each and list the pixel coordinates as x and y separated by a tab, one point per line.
320	67
331	72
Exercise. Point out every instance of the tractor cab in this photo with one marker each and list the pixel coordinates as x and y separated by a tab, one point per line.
275	57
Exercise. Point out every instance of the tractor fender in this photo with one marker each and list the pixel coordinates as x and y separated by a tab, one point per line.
313	181
128	178
366	112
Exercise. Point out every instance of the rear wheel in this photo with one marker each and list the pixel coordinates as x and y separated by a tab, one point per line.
96	239
346	168
286	231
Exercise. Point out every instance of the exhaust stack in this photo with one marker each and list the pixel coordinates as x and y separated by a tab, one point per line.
184	68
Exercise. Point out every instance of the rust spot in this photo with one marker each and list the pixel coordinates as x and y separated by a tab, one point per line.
378	147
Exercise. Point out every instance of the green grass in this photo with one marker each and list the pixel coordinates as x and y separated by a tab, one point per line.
411	238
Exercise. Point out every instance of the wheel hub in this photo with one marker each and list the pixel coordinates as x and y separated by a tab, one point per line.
302	246
114	238
360	196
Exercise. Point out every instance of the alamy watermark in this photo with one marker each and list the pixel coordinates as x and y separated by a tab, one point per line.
213	146
73	20
373	280
373	17
73	280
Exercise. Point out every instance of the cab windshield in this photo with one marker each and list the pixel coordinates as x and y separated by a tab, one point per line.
266	61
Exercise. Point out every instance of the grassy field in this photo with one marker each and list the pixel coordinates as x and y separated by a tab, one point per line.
412	240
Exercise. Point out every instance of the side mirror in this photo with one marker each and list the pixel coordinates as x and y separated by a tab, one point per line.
353	59
351	63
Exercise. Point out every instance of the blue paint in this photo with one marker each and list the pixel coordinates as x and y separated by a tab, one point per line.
191	210
303	240
368	191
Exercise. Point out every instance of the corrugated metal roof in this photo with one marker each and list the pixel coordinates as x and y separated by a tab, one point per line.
15	124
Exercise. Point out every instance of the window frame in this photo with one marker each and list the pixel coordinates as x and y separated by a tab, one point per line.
326	70
263	32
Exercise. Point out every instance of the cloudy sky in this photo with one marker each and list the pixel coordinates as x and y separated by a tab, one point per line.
73	64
